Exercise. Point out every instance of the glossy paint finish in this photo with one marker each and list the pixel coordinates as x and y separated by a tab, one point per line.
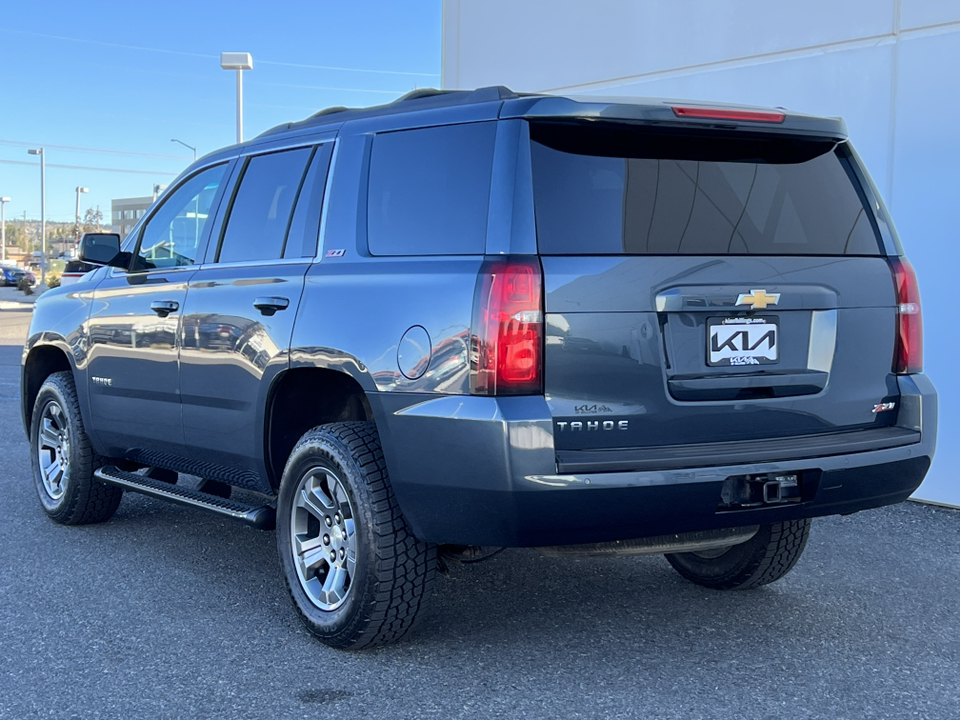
322	339
230	353
385	296
133	370
627	338
62	315
473	470
479	469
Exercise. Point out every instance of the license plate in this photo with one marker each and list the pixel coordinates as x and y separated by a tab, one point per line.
742	341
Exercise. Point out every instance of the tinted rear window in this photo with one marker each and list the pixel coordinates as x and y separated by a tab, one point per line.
430	189
616	190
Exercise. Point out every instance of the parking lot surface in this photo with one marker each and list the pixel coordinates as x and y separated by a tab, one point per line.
167	612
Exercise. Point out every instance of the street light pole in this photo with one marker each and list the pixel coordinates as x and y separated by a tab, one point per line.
3	226
43	212
239	106
191	147
239	62
79	190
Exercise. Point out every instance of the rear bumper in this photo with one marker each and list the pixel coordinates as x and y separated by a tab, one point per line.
483	471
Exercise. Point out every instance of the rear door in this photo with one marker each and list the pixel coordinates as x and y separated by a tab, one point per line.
706	286
240	309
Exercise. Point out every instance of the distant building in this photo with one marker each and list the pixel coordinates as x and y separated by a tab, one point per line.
124	212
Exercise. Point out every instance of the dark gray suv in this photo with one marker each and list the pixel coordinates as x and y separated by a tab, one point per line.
462	321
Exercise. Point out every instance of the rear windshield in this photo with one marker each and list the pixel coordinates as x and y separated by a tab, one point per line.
611	190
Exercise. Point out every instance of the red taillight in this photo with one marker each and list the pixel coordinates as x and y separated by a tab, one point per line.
908	357
767	116
507	335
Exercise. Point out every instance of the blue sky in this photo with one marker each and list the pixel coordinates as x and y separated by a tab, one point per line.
108	84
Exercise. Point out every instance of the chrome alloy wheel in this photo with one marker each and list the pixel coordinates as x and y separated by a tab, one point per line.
53	449
324	538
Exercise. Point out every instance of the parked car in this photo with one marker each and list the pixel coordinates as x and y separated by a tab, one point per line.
74	270
10	275
471	320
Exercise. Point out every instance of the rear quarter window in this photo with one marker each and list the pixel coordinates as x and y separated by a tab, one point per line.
429	190
621	190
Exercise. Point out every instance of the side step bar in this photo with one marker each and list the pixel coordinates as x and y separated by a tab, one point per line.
262	517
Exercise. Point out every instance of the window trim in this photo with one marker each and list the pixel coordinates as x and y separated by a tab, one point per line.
155	208
252	263
363	205
845	157
324	206
296	200
245	158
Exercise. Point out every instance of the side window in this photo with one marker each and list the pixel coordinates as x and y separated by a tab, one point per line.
305	226
171	237
429	190
261	208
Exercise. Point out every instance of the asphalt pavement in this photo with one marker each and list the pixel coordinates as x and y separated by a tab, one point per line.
166	612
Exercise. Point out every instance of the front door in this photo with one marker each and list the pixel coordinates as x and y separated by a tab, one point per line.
133	329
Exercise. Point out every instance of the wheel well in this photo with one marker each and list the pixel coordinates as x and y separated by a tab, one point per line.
41	363
302	399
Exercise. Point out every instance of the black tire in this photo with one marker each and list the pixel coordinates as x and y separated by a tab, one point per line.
63	460
764	558
377	600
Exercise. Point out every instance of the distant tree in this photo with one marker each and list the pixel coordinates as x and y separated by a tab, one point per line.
16	235
92	219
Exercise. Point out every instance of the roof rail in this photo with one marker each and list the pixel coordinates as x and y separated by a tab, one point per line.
421	98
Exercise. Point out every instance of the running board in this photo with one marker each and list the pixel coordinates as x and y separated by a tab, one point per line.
262	517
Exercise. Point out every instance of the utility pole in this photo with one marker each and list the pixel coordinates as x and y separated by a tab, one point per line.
77	231
43	212
3	226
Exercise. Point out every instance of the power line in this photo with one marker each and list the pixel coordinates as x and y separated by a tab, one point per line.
215	57
19	143
321	87
89	167
87	41
347	69
212	79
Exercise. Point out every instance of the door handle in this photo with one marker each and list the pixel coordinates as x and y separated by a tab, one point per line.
164	307
269	305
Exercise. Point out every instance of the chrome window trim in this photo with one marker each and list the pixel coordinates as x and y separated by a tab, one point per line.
292	146
137	230
114	271
314	141
254	263
328	185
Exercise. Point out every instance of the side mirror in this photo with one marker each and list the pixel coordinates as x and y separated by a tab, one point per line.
102	249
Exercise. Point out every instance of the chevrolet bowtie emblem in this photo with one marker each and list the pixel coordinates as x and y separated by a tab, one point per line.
758	299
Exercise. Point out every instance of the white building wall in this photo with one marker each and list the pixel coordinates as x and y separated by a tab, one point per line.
890	68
